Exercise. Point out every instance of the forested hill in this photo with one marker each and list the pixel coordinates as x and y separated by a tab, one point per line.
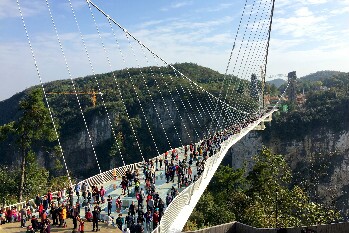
320	75
163	77
165	86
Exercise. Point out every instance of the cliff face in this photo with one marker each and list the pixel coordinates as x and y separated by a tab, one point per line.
82	160
319	161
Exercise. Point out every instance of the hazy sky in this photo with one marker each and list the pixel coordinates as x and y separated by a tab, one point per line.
307	36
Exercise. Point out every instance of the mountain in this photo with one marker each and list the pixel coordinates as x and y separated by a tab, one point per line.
173	98
320	75
313	138
277	82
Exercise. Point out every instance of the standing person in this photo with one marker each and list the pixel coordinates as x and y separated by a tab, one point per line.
75	218
190	172
118	203
99	210
62	216
49	197
129	220
150	205
156	219
45	203
168	199
89	197
23	214
114	173
102	193
81	225
160	162
140	199
54	214
83	190
110	204
139	227
119	221
95	219
132	209
59	196
148	219
77	190
38	200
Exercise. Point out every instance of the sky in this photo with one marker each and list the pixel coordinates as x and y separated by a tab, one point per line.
307	36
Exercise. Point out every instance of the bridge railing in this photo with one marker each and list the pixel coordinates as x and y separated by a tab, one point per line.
95	180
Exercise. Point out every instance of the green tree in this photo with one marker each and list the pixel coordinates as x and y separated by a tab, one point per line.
261	197
34	126
8	185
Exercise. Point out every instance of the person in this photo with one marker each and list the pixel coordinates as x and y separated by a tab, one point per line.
102	193
23	214
148	219
81	224
168	199
132	209
99	210
119	221
95	214
118	203
35	223
114	173
59	196
49	197
129	220
150	205
62	215
45	203
156	219
54	214
75	218
139	227
77	190
160	162
46	226
38	200
89	197
88	215
110	202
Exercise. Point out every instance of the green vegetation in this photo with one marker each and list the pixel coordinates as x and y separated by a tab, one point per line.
162	82
323	108
261	197
31	131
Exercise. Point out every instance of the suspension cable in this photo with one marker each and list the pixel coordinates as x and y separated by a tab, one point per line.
43	89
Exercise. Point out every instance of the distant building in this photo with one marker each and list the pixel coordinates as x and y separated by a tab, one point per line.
292	88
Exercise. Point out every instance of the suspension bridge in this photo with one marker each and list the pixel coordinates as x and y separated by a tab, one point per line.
216	122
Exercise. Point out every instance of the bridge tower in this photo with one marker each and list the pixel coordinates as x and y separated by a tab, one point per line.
292	89
254	93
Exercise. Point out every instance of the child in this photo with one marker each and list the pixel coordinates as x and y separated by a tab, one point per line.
81	224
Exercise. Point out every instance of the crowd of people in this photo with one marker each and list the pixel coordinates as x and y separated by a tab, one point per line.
145	215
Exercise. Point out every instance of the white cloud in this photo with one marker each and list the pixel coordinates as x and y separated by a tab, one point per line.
315	2
303	12
340	11
9	8
177	5
216	8
303	24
